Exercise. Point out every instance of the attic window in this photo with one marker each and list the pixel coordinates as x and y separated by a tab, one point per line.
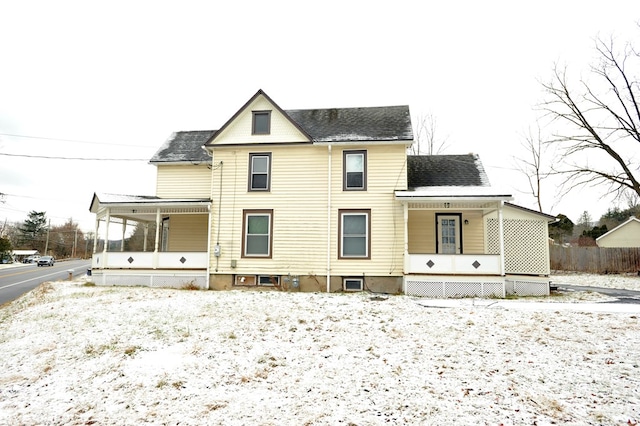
261	123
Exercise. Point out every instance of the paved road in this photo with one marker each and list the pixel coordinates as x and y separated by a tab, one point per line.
17	280
623	296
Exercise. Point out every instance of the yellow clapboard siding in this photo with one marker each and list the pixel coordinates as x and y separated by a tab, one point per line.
182	181
299	199
188	233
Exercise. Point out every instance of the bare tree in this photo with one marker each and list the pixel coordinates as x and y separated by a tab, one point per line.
426	139
601	117
534	164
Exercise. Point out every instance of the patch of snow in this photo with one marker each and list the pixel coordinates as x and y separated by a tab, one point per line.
101	355
622	281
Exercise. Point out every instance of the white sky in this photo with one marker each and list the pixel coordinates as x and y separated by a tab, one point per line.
120	76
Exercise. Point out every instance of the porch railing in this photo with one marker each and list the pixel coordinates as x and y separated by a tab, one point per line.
150	260
444	264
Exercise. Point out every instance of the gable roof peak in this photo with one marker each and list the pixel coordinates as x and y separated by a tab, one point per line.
259	93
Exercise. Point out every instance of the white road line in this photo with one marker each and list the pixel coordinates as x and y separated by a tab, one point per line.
26	281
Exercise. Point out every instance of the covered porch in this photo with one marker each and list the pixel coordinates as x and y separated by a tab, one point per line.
172	252
463	244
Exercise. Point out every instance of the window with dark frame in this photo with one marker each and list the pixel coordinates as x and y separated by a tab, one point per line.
355	238
257	234
354	170
261	124
259	172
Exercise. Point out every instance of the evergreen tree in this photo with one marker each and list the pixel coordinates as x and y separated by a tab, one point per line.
32	233
5	249
561	230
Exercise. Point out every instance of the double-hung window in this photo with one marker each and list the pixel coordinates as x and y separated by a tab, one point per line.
260	172
261	124
354	171
257	233
355	236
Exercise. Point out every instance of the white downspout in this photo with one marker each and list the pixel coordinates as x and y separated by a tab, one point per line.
329	223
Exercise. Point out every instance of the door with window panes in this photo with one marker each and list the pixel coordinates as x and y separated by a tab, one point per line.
449	240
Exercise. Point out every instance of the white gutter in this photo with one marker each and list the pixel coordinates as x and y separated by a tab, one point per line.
329	222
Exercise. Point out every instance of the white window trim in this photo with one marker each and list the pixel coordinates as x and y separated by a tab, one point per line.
367	235
344	284
245	234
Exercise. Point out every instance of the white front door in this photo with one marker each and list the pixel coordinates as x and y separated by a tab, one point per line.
448	234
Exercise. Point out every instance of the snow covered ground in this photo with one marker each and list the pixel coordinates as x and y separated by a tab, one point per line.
73	354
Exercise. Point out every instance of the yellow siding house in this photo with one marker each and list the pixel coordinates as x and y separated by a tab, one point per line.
627	234
321	200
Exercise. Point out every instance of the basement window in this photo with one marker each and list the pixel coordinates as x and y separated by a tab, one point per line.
258	280
269	280
353	284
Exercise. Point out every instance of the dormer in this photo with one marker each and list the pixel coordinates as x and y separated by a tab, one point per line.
259	121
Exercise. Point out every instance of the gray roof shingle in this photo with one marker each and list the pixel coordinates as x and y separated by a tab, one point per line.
392	123
184	147
445	170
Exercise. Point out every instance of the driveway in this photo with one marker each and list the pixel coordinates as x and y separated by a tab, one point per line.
623	296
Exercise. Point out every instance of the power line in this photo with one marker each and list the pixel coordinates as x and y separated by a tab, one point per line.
73	158
72	140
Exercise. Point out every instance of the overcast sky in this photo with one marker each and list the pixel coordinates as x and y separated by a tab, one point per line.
113	80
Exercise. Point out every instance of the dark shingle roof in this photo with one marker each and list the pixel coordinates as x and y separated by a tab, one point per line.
355	124
445	170
322	125
184	147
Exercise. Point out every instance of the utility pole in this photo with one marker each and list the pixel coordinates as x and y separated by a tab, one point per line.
75	244
46	245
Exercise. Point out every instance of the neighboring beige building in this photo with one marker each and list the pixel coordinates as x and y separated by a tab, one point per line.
627	234
323	200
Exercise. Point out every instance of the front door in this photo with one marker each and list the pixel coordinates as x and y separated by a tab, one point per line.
448	234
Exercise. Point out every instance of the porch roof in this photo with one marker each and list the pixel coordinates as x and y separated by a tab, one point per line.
144	207
457	193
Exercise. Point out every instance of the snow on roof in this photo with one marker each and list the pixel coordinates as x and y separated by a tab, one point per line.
454	192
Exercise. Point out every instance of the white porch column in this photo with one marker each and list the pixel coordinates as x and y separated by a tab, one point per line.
146	235
95	235
106	231
405	263
124	229
501	237
157	243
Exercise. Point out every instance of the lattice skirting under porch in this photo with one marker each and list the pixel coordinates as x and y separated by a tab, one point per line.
450	287
150	280
523	287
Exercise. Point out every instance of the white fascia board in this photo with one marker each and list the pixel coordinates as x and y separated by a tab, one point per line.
364	142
